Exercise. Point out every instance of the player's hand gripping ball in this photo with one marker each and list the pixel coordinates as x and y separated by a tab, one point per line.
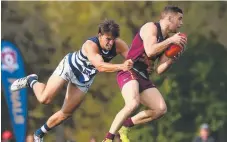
175	50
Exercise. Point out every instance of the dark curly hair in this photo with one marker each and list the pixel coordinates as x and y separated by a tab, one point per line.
109	26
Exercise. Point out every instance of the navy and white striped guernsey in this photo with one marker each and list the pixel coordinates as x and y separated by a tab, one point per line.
81	66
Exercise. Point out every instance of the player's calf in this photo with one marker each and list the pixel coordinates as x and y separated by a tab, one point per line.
52	122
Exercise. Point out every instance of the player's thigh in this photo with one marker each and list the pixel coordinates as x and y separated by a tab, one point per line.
153	99
57	79
130	92
74	97
54	84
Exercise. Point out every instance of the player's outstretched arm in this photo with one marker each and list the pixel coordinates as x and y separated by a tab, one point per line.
96	60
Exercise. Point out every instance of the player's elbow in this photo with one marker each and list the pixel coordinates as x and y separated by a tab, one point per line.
100	69
159	71
45	101
151	53
163	68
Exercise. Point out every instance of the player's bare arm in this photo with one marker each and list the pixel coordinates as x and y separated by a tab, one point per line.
96	59
148	34
164	63
121	47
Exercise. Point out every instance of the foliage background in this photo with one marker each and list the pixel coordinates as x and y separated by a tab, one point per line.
195	88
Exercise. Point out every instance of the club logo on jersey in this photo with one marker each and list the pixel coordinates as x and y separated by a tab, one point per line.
105	51
9	60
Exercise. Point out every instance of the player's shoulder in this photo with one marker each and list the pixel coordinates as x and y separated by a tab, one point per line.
149	25
120	45
119	41
148	28
90	45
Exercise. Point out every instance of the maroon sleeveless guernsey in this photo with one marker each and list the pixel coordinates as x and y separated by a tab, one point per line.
138	55
136	49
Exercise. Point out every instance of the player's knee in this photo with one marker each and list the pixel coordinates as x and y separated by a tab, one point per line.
45	100
132	105
162	110
46	97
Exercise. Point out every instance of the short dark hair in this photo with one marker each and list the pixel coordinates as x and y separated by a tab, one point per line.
109	26
171	8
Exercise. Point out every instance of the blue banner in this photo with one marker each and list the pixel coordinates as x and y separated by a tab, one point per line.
12	68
